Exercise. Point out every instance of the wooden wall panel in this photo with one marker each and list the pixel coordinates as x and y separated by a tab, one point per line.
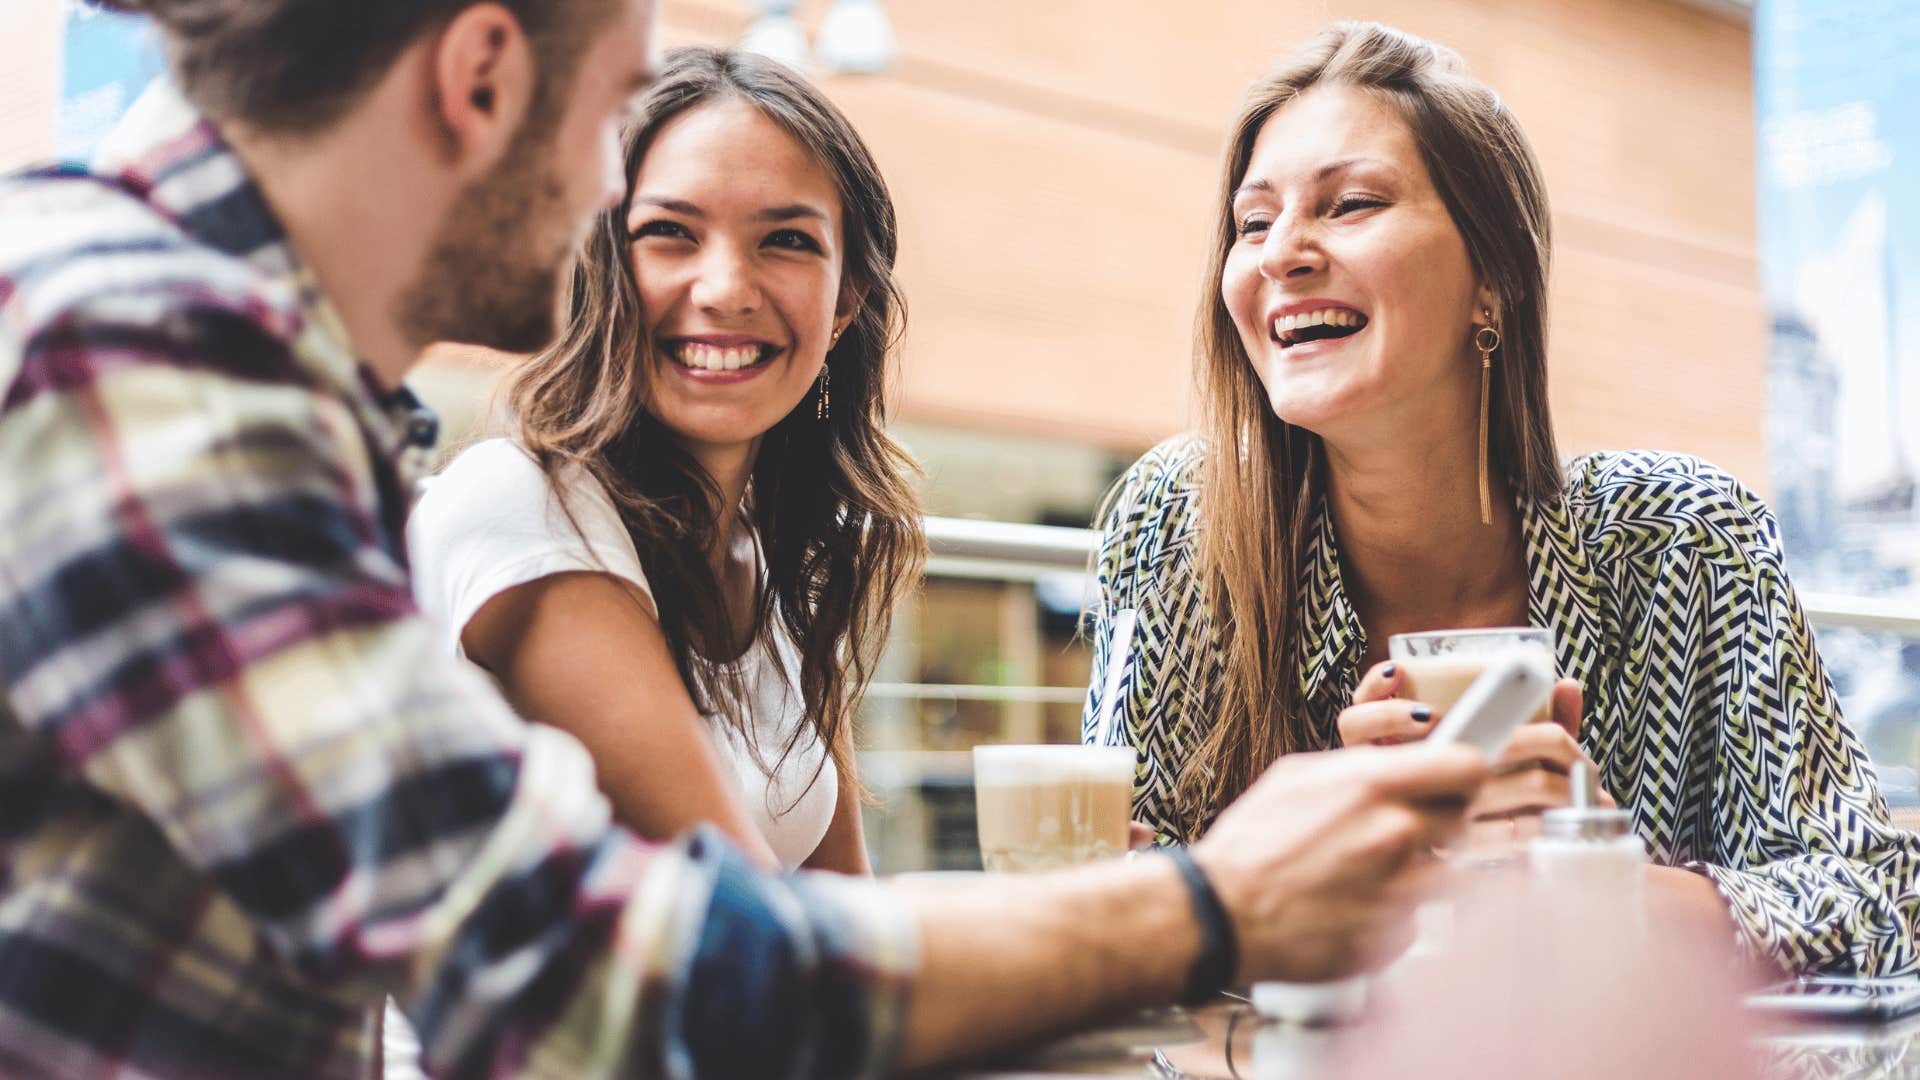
1659	361
1050	269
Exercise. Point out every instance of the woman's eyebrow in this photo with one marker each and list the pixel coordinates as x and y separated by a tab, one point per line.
791	212
1345	164
678	206
1265	187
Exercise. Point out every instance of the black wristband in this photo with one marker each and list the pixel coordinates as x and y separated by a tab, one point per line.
1219	958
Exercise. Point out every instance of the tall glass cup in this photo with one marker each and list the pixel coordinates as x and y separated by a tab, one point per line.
1437	666
1041	807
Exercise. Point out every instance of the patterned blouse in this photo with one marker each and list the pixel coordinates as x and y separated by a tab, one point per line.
1707	707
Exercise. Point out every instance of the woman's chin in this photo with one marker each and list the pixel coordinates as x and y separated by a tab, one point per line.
714	428
1316	409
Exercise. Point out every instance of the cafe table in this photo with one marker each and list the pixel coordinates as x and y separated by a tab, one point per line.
1228	1041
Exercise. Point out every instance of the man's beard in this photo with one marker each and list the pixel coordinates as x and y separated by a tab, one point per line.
489	278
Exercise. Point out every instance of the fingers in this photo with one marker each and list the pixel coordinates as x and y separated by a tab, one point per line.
1567	704
1384	723
1502	832
1139	835
1540	745
1530	791
1420	772
1444	821
1391	839
1382	681
1491	832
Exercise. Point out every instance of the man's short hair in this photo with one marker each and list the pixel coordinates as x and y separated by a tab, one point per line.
296	66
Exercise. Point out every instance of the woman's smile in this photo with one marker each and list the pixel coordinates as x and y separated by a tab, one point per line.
1312	329
720	359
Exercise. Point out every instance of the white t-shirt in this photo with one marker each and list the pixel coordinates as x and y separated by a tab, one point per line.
492	521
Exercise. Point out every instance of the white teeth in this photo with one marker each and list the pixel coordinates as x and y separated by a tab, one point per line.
1285	325
697	354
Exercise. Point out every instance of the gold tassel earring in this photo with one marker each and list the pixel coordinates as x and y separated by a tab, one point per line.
1486	340
824	407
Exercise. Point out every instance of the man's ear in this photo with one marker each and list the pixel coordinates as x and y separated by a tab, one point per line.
484	76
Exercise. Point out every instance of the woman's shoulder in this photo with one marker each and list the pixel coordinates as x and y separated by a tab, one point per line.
498	479
1151	517
498	465
495	514
1164	482
1642	502
491	481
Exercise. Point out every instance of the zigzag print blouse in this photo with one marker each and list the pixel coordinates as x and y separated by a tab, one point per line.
1707	708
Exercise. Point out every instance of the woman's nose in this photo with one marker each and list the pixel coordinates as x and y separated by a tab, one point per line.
1292	250
726	284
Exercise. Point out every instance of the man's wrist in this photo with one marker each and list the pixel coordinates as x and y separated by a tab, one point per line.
1218	960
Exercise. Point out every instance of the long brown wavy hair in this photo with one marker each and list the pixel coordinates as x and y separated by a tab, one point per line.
833	501
1263	481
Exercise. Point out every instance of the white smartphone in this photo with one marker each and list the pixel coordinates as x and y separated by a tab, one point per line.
1512	688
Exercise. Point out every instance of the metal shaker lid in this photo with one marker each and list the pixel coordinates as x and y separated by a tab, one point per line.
1585	818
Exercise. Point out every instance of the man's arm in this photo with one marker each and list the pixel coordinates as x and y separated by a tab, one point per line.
205	617
1318	865
1008	958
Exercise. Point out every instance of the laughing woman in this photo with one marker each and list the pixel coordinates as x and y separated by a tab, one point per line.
1379	458
687	546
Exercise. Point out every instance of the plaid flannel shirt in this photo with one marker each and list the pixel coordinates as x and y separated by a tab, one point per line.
242	792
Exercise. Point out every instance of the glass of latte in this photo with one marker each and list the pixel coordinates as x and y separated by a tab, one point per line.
1438	665
1041	807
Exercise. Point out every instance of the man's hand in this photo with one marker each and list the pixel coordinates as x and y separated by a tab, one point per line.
1321	861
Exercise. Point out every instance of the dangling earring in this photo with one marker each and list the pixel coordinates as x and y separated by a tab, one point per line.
824	407
1486	339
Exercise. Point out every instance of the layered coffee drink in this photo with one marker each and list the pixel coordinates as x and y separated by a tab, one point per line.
1041	807
1438	681
1438	665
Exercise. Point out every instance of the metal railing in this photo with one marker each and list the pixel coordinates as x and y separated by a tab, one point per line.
923	828
1004	551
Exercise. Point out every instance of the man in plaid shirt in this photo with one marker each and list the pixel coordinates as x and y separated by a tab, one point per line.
242	793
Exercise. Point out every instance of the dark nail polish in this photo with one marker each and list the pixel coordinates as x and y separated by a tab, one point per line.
1389	671
1422	714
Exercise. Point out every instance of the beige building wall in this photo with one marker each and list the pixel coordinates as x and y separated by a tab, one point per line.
29	79
1055	164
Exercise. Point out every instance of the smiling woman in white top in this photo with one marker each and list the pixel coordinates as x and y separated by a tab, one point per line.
687	544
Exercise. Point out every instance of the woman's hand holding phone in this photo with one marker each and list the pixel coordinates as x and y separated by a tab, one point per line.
1530	776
